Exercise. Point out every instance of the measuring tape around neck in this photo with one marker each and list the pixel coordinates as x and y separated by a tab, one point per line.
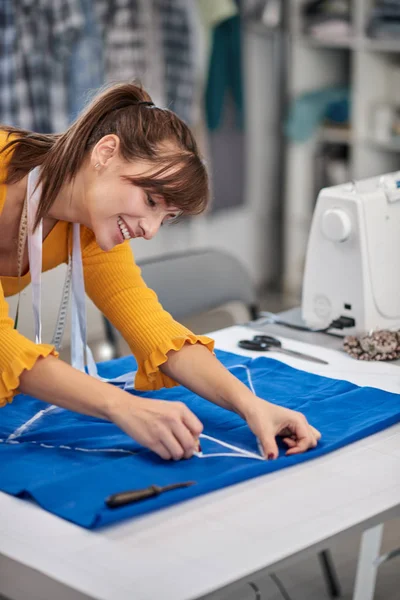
81	354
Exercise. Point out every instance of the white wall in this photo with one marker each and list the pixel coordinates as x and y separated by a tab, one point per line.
310	70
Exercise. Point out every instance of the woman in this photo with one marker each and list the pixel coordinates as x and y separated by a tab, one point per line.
123	169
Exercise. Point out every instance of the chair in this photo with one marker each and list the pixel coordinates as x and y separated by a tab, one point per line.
194	282
197	281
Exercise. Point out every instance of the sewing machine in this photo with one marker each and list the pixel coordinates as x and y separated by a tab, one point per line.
353	257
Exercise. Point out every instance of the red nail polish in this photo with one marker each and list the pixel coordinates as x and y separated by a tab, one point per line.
270	456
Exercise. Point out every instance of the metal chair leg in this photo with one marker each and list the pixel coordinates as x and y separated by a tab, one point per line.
329	573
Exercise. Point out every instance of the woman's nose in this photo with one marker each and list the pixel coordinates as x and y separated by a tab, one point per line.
150	228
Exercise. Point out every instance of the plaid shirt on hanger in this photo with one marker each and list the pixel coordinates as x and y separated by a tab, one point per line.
8	114
178	48
86	64
124	34
45	31
134	50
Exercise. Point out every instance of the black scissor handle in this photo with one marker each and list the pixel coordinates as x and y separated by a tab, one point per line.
267	339
253	345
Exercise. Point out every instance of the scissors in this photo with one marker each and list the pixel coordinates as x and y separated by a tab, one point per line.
263	343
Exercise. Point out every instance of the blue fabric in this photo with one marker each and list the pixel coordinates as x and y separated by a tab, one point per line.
73	484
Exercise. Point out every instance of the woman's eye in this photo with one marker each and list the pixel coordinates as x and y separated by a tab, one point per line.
150	201
169	219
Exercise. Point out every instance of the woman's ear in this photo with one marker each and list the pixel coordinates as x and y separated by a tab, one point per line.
104	151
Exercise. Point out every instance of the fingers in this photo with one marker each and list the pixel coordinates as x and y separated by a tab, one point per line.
170	448
316	433
187	442
187	431
194	425
268	445
290	442
161	450
174	446
298	434
178	435
304	436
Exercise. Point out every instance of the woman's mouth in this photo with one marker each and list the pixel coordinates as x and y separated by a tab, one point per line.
123	229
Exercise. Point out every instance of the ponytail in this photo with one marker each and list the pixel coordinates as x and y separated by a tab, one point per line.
125	110
61	155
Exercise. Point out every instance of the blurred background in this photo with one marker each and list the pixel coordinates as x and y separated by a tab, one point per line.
284	97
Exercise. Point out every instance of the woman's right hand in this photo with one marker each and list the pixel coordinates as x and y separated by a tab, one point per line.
168	428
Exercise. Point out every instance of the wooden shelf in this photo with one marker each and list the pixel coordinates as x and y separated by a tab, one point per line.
315	42
364	43
335	135
392	146
377	45
370	68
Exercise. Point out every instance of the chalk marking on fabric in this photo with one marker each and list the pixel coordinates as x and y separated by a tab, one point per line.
251	385
242	454
231	447
121	450
228	455
64	447
126	379
28	424
238	452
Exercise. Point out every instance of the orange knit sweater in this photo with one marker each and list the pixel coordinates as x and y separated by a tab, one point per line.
114	283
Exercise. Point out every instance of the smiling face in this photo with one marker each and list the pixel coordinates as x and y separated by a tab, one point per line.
118	209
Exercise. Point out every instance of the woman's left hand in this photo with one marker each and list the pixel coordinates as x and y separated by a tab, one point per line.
198	370
268	420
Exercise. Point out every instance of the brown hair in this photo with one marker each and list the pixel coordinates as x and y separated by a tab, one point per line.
125	110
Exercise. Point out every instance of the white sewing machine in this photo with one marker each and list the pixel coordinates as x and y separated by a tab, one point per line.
353	256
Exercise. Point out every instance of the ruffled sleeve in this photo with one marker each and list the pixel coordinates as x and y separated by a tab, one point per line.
114	283
149	376
17	353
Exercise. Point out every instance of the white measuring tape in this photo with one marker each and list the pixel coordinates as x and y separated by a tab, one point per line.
81	355
237	452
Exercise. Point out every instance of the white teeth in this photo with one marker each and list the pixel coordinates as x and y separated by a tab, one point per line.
123	229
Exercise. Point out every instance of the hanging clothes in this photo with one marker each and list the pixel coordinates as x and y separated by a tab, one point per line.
46	31
225	73
132	44
212	14
178	54
221	25
226	139
124	39
152	41
56	54
7	64
86	63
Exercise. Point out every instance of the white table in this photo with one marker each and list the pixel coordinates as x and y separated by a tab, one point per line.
199	546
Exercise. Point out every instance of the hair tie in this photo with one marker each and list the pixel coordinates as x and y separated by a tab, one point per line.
145	103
